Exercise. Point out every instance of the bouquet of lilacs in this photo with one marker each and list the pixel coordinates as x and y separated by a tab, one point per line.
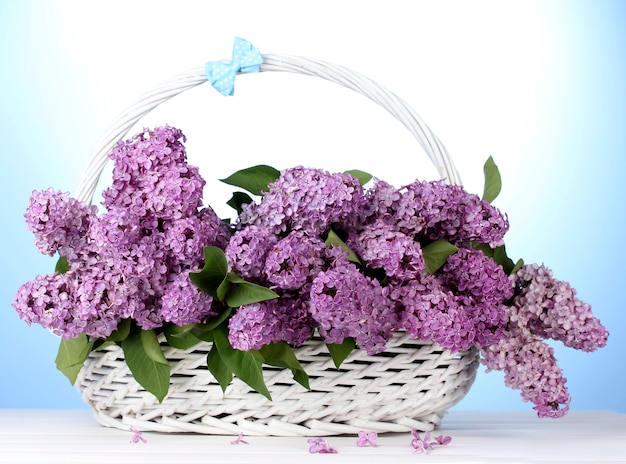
316	255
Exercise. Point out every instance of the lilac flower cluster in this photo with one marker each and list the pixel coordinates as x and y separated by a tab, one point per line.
347	262
280	243
133	260
305	199
544	308
434	210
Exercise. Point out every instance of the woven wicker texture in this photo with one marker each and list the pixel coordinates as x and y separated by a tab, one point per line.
410	386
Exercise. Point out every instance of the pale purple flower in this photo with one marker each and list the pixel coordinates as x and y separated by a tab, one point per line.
258	324
550	308
426	445
239	440
381	245
247	249
421	445
137	436
183	303
345	303
306	199
58	221
481	288
529	365
437	210
367	439
294	260
321	446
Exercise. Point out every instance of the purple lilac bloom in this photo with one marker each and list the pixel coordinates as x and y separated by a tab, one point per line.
306	199
448	212
183	303
431	312
294	260
381	204
123	263
57	220
550	308
529	365
247	249
380	245
346	304
481	288
258	324
185	238
151	174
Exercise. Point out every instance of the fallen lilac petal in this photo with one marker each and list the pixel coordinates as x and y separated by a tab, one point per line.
367	439
442	440
419	445
239	440
137	437
321	446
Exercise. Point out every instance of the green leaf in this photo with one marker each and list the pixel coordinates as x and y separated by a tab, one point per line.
484	247
181	337
493	181
212	278
500	257
72	355
147	363
362	176
254	179
238	200
243	292
340	351
122	331
216	366
517	267
205	331
62	265
334	240
282	355
436	254
244	364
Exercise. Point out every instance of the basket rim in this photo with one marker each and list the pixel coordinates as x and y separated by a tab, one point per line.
119	128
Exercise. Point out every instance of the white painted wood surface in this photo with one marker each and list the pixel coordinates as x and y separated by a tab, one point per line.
54	436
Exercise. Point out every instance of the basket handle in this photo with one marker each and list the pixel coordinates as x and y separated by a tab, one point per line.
273	63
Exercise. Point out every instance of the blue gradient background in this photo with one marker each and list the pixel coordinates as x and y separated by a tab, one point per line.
538	85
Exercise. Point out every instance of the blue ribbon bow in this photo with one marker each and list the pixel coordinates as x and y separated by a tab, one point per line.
246	59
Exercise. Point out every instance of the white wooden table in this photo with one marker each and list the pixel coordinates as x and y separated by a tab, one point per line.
54	436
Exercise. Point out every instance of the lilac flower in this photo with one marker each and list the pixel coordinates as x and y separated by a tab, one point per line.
367	439
421	445
550	308
294	260
258	324
442	440
185	238
529	365
321	446
183	303
247	249
305	199
58	221
381	245
481	288
150	174
426	445
443	211
346	303
430	312
137	436
239	440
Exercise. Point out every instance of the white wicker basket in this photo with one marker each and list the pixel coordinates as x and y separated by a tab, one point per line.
410	386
